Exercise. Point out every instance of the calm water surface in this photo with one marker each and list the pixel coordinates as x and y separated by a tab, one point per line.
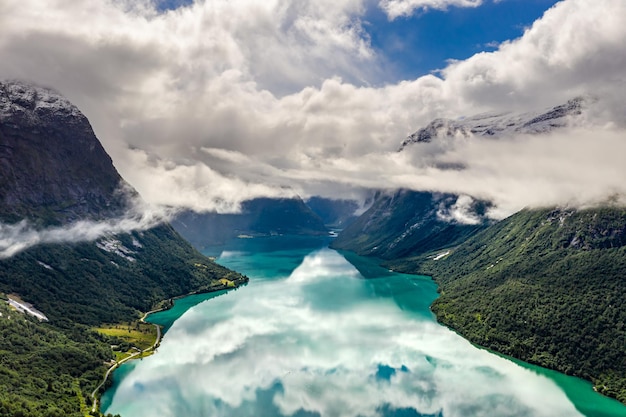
317	333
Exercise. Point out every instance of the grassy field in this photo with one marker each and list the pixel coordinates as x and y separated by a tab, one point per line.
137	334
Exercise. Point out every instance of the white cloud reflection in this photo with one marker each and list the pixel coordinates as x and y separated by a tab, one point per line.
313	343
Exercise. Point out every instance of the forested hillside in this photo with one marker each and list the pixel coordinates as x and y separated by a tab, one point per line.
545	286
407	223
111	279
49	369
46	371
55	173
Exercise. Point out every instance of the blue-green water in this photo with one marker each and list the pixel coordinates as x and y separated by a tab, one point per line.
319	334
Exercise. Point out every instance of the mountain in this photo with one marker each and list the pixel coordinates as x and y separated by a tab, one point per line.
407	223
336	214
111	279
258	217
54	173
501	124
546	286
53	170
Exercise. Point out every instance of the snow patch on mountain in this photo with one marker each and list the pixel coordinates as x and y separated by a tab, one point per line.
502	124
45	265
20	97
112	245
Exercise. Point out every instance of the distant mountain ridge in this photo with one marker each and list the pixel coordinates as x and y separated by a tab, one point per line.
407	223
258	217
499	124
336	214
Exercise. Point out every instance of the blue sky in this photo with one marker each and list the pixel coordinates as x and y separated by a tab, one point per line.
419	44
422	43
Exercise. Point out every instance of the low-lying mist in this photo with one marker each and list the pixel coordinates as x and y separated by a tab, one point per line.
575	167
17	237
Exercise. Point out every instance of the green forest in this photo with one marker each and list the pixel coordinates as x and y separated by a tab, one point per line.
45	370
544	286
50	368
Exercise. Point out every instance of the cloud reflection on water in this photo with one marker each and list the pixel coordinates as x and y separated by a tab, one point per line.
314	344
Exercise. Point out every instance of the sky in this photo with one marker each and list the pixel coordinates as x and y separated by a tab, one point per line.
204	104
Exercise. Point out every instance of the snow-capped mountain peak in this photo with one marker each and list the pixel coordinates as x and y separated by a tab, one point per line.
501	124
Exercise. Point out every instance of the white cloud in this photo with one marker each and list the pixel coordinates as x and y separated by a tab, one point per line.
575	48
196	185
576	167
15	238
399	8
213	103
460	212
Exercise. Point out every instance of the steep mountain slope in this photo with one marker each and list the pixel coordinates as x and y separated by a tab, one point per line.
545	286
258	217
407	223
53	171
112	279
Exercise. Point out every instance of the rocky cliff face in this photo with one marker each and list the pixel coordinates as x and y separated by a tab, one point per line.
53	169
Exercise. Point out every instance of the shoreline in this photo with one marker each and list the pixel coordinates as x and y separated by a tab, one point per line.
395	266
573	386
441	321
152	349
507	356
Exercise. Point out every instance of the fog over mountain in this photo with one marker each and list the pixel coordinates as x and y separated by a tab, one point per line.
217	102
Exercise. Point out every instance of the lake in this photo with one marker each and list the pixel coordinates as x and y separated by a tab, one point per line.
321	333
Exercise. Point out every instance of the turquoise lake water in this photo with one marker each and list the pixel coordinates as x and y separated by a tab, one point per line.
320	333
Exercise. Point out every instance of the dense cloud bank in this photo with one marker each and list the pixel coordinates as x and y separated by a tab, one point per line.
217	102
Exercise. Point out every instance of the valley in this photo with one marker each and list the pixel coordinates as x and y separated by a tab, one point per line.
321	333
318	330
